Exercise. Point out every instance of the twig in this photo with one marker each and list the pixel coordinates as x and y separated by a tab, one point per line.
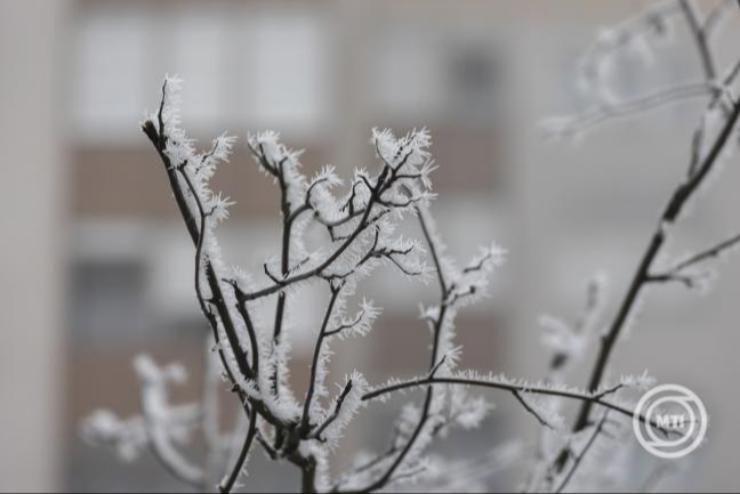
159	140
579	457
315	362
601	113
711	252
284	267
349	325
383	480
228	483
517	394
244	297
672	210
337	409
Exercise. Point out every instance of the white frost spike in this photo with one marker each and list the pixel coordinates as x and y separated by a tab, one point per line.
641	382
407	152
267	144
327	176
360	324
171	102
218	207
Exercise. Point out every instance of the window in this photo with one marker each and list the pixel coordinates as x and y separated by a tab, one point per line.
111	50
288	70
242	66
109	302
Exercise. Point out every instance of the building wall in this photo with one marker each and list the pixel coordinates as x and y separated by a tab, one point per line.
32	244
479	74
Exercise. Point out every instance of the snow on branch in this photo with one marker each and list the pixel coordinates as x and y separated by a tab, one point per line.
359	218
714	139
162	428
636	38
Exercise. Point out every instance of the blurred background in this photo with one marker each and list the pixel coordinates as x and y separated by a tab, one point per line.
96	264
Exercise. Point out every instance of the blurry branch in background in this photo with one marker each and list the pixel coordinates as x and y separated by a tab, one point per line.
579	457
572	126
161	427
680	271
713	140
248	314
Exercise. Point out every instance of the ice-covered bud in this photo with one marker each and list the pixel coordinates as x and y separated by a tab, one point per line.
266	146
560	337
404	153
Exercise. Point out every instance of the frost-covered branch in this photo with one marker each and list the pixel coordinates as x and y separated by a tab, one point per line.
505	384
181	161
228	482
358	220
579	458
571	126
683	193
636	37
316	362
337	409
714	138
438	327
360	228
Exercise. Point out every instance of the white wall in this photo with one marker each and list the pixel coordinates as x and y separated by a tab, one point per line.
31	246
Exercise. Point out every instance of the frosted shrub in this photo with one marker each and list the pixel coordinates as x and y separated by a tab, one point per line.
360	216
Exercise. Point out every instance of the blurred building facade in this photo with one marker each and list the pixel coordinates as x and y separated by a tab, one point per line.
479	75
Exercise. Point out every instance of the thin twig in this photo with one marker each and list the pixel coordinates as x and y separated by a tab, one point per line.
715	15
657	99
517	394
582	454
284	267
363	224
337	410
228	483
315	362
701	42
710	253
